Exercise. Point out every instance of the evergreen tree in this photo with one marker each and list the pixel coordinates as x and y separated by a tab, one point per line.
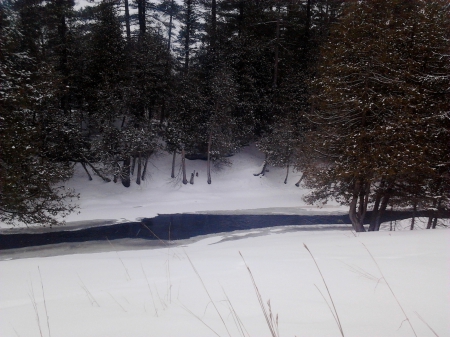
380	74
31	182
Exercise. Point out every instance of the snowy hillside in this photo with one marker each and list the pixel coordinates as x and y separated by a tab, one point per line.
233	188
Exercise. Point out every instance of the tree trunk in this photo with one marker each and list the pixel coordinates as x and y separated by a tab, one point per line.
172	175
363	200
84	166
139	171
144	171
62	29
263	170
430	222
187	35
308	21
275	66
287	174
183	166
353	214
169	39
384	204
133	165
376	207
434	223
213	25
127	21
208	164
141	17
240	17
300	180
125	174
437	214
413	220
97	172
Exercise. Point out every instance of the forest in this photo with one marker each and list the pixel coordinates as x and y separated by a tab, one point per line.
355	94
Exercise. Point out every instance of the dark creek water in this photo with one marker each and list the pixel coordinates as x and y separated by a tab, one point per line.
176	227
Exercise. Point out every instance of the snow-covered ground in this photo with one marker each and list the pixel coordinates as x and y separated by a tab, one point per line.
157	292
201	286
234	188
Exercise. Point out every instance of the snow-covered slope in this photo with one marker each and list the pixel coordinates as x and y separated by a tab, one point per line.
203	287
233	188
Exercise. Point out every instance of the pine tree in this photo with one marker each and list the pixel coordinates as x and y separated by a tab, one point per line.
31	183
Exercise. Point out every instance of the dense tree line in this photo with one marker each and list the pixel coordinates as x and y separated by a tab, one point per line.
355	94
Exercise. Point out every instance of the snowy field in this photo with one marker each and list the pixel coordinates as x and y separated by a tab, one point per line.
157	292
382	284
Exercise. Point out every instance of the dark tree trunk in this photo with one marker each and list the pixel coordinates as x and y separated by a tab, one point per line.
127	21
144	171
434	223
287	174
263	170
240	17
275	66
308	22
413	220
172	175
133	165
384	204
300	180
353	212
437	214
85	168
430	222
430	218
187	40
167	68
97	172
63	56
125	174
208	163
213	25
169	38
183	166
141	17
139	170
376	207
117	173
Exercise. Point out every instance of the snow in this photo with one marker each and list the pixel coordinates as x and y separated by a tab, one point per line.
234	188
156	292
139	288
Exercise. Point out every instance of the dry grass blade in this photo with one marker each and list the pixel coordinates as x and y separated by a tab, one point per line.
15	331
429	327
120	305
189	311
45	303
150	289
328	304
238	321
390	289
269	321
88	293
207	292
36	311
156	236
338	321
123	264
